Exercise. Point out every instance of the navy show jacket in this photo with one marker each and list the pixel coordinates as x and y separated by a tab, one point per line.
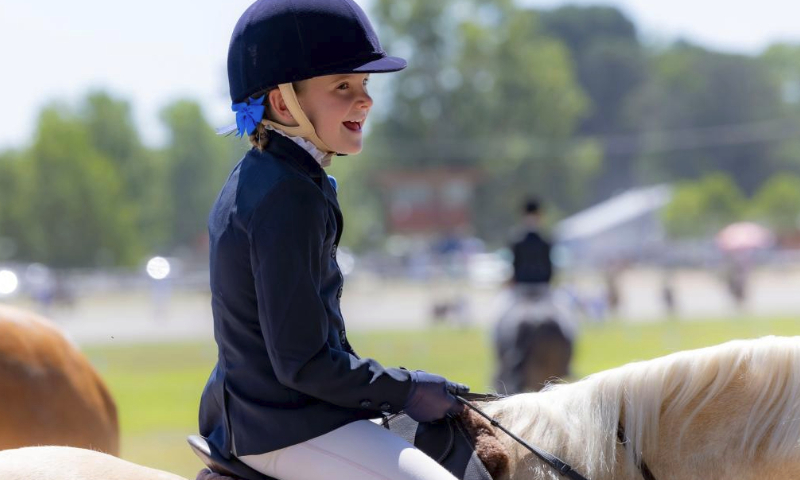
532	263
285	370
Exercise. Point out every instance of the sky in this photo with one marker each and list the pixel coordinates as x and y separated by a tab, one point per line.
152	52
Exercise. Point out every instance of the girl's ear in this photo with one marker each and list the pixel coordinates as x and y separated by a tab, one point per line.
278	108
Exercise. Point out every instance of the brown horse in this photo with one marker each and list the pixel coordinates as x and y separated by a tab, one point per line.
49	392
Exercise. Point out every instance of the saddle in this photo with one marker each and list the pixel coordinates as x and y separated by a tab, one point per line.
219	467
465	445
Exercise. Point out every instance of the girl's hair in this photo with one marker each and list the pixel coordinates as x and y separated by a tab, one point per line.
260	138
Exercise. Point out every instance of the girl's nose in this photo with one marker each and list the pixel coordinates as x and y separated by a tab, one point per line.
365	101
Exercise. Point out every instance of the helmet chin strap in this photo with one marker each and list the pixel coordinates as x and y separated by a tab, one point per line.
304	129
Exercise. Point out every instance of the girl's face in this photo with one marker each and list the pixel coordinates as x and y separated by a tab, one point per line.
337	106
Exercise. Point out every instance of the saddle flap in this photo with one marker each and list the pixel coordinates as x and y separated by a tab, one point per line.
433	438
445	441
230	467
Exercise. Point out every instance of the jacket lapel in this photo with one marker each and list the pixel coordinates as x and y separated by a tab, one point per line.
295	155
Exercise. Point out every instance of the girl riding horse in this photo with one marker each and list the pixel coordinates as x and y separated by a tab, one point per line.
289	396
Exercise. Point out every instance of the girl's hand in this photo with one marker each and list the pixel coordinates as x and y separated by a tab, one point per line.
431	398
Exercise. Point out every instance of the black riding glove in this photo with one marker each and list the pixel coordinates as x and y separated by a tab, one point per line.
432	397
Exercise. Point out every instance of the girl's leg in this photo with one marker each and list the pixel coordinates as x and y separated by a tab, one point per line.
359	450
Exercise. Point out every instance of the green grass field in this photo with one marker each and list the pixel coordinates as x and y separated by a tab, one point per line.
157	387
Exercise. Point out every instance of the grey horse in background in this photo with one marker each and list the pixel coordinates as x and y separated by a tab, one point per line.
533	341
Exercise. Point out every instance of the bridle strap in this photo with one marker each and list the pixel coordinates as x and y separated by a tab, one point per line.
643	468
556	463
562	467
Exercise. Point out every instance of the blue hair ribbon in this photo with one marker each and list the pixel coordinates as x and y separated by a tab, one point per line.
248	115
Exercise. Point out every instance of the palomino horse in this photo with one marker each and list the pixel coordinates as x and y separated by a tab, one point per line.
49	392
724	412
62	463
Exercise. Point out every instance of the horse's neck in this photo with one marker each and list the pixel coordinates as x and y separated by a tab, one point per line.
561	423
691	418
579	425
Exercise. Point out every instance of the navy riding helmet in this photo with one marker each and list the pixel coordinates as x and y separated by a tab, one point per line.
283	41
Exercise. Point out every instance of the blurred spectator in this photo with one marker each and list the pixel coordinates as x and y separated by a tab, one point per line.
668	292
64	293
611	276
736	274
41	284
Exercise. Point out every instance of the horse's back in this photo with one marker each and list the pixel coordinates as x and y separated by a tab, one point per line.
57	463
51	393
533	345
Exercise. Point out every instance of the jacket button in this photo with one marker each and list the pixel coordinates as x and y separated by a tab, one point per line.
385	406
333	250
365	404
343	337
339	293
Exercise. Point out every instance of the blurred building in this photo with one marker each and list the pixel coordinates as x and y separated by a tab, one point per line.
430	202
627	226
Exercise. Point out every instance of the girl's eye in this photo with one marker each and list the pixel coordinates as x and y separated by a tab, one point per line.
343	86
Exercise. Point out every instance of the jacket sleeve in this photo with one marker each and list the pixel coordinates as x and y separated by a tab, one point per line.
287	235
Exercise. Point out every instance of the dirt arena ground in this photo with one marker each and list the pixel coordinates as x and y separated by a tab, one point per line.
371	303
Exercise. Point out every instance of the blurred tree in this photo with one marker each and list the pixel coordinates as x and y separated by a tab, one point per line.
70	210
196	163
609	61
782	63
777	203
113	133
704	112
610	64
485	88
9	202
519	113
701	208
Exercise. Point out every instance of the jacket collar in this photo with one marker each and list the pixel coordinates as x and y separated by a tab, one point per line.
321	157
287	150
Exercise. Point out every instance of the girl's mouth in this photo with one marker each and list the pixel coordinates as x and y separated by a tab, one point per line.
354	126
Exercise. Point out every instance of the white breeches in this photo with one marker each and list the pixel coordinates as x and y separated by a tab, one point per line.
358	450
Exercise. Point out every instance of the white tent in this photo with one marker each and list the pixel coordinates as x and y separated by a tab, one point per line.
625	225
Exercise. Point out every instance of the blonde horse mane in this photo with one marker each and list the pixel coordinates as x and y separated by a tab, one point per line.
750	389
